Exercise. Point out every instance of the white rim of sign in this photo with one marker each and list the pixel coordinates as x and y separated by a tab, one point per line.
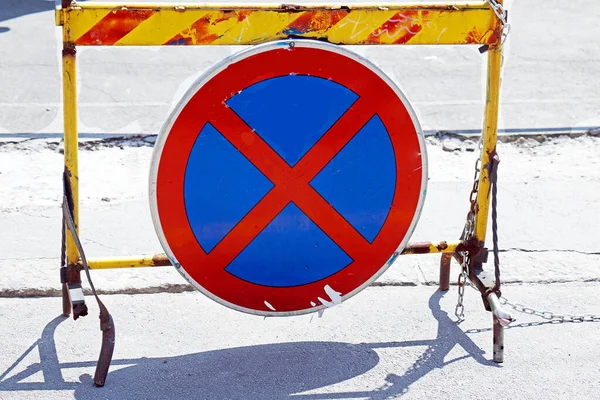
328	292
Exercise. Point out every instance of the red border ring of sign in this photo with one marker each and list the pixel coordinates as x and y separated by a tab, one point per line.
206	77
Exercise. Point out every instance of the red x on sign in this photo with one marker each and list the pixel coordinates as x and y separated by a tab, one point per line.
275	217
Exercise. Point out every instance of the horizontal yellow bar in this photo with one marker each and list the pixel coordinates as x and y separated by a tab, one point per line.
158	260
185	6
148	24
161	260
435	247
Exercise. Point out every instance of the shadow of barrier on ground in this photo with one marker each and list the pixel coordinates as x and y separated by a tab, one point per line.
263	371
10	9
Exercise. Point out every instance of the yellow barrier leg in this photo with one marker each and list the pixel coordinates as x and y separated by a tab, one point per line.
71	139
490	135
69	70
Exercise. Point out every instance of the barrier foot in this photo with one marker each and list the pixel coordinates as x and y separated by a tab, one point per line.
107	326
498	340
66	302
445	262
500	319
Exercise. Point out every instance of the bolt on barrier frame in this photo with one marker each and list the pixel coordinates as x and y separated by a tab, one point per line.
157	24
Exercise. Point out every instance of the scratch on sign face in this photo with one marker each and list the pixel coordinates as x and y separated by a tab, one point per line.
269	306
333	296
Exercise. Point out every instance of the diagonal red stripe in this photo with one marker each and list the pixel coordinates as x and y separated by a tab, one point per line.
402	27
251	145
291	184
315	21
114	26
248	228
197	33
331	222
336	137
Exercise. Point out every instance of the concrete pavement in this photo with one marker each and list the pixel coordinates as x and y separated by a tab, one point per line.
548	213
386	343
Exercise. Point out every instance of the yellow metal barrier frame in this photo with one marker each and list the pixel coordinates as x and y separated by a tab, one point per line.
107	24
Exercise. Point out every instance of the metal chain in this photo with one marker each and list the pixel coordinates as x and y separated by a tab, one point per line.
469	229
459	311
550	316
493	176
502	15
463	279
468	232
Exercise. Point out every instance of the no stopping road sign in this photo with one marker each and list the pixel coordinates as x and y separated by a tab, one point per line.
287	177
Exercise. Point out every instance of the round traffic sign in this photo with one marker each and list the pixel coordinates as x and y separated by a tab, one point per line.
287	177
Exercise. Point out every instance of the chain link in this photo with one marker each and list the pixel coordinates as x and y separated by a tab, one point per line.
459	311
468	232
550	316
499	10
502	15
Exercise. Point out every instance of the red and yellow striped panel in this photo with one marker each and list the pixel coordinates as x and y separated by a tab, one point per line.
105	24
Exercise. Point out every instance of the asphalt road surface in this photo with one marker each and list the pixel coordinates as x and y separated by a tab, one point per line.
386	343
551	75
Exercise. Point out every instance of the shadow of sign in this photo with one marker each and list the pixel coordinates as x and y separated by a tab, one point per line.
271	371
10	9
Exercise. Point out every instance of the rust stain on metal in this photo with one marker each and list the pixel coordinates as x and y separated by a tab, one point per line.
485	36
445	262
73	273
496	36
439	7
242	14
488	165
160	260
224	15
472	245
442	246
79	310
199	31
437	247
290	7
418	248
68	50
474	36
401	27
315	21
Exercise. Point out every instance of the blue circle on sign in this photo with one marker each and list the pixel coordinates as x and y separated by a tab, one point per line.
291	114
